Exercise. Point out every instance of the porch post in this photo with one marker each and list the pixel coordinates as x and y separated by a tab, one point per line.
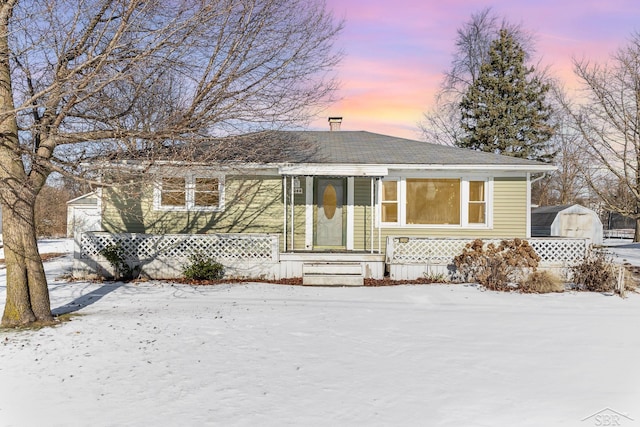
350	213
284	205
372	215
292	212
378	181
308	235
528	217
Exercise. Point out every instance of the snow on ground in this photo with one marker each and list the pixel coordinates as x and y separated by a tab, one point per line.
251	354
624	250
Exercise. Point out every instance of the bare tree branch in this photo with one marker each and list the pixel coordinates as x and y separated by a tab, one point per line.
79	78
608	122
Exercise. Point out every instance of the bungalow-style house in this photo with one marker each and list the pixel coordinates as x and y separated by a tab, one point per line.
328	200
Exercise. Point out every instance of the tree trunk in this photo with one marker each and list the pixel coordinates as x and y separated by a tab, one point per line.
636	235
27	291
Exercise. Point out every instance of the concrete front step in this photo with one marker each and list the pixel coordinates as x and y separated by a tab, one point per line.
332	274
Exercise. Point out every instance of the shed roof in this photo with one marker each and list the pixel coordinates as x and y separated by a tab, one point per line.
544	216
86	199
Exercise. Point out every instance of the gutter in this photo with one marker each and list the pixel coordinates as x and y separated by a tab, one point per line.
538	178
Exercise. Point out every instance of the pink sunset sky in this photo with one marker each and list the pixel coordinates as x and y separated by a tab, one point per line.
396	50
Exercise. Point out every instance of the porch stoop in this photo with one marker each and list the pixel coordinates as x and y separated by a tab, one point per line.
332	274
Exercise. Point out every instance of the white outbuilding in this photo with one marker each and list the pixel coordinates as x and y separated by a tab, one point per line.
83	214
566	221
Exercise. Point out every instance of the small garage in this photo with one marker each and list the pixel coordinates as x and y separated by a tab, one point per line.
83	214
566	221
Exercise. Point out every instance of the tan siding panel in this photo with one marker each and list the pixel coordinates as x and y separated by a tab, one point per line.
362	213
510	207
253	204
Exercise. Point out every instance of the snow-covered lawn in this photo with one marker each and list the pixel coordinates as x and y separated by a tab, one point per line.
162	354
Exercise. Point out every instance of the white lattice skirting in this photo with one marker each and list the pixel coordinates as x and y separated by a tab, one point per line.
409	258
165	256
257	256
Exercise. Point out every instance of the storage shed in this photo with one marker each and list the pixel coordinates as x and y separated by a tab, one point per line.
83	214
566	221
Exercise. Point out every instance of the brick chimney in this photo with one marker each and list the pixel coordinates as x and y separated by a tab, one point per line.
334	123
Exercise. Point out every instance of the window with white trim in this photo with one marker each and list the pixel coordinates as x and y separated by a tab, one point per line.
389	202
189	193
477	202
435	202
207	192
173	192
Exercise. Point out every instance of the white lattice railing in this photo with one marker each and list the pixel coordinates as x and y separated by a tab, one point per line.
409	250
247	247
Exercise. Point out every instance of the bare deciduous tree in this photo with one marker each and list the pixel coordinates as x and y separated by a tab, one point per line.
85	78
566	185
608	122
51	211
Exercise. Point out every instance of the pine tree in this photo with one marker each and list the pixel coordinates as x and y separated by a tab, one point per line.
504	110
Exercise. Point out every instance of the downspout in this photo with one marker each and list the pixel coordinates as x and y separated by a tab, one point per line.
538	178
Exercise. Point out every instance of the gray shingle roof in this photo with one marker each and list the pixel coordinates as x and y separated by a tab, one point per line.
360	147
334	148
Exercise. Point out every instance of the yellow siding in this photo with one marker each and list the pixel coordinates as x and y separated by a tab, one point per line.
299	216
362	214
253	204
509	208
509	216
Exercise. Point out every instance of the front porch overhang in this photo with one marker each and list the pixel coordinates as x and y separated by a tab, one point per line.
333	170
381	170
291	186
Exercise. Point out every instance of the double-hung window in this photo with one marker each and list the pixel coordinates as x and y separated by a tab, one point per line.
206	192
477	202
173	192
390	201
434	201
189	193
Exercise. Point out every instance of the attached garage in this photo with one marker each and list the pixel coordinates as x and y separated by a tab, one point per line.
566	221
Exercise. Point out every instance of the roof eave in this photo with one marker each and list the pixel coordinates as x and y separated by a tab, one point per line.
383	170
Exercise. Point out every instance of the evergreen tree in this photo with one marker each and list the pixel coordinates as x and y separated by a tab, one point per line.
504	110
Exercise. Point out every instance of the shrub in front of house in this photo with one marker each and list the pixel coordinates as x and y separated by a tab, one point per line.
541	282
114	254
497	267
596	273
202	267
